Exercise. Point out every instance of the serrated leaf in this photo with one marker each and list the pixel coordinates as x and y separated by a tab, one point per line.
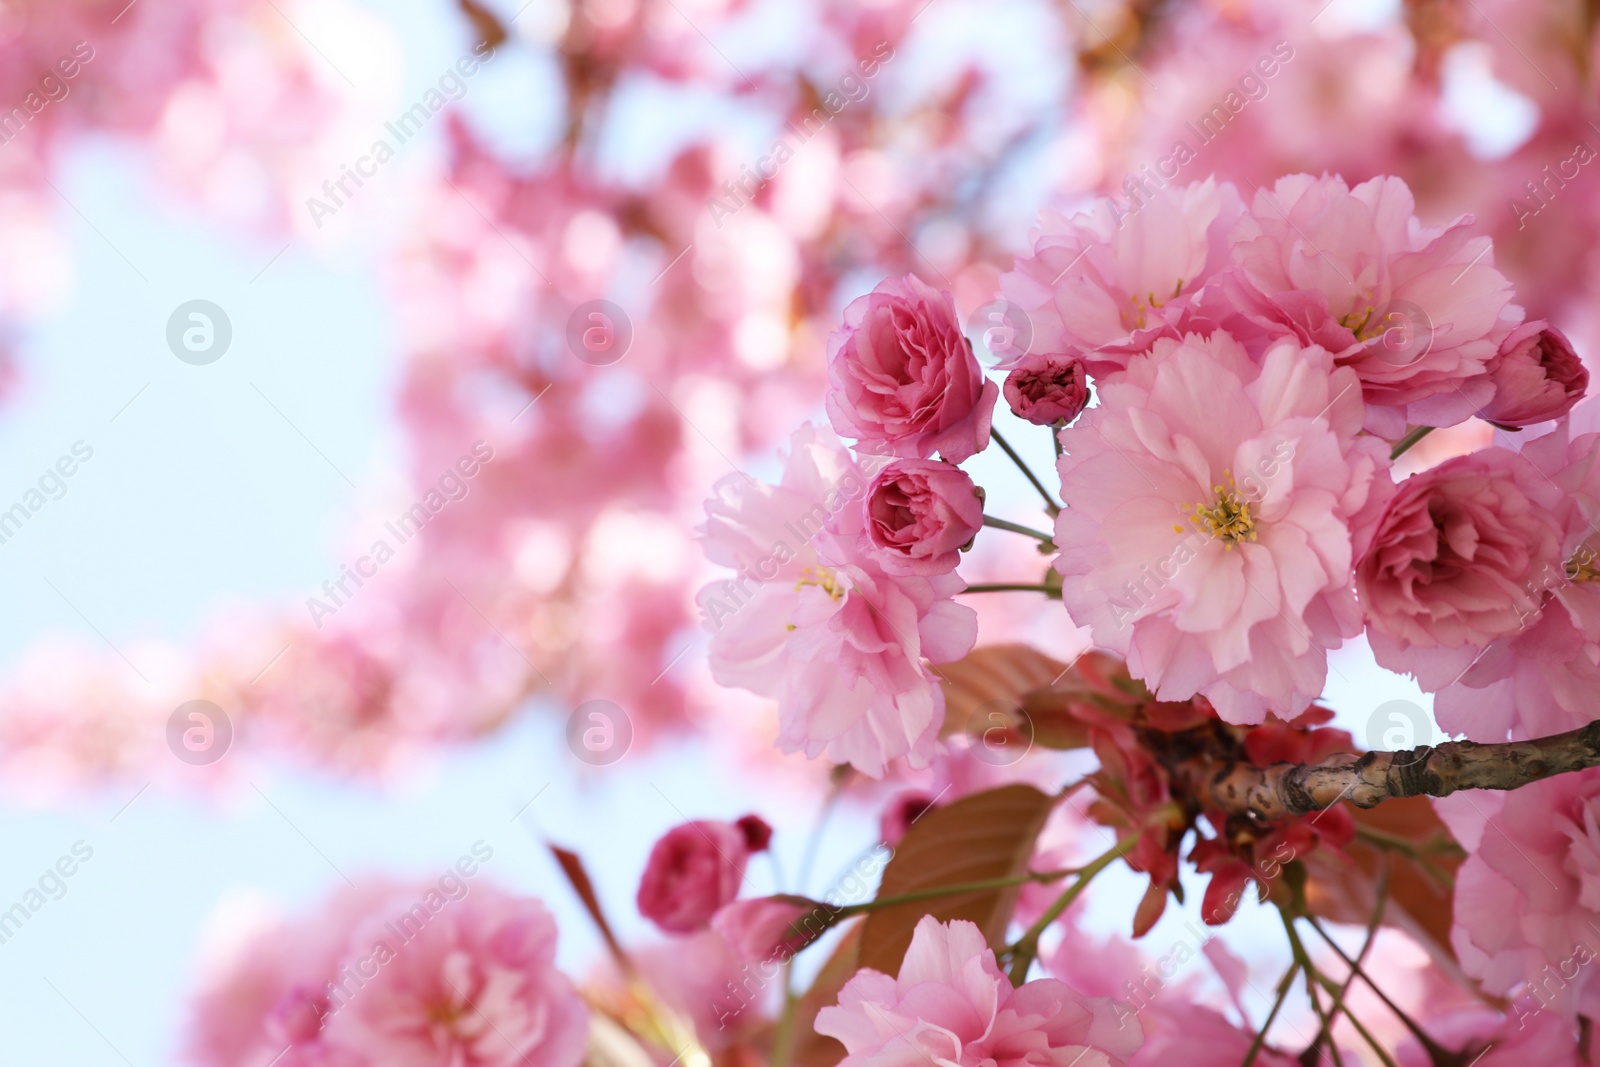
983	837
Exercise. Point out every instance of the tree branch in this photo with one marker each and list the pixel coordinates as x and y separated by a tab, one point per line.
1285	789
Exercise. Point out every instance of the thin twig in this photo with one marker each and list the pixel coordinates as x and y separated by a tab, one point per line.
1050	504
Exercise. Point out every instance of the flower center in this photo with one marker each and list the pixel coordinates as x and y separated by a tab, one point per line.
1138	317
1228	519
1584	566
824	579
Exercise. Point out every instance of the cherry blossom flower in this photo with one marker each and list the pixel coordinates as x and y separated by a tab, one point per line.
1537	376
1211	544
1045	389
1541	678
1419	313
816	624
1456	562
904	380
1104	283
920	514
952	1004
1527	897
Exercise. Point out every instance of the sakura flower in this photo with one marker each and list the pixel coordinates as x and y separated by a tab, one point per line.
1537	376
1211	543
817	624
1044	389
1419	313
920	514
951	1004
1456	562
398	976
475	985
1542	677
904	380
1107	281
1527	898
764	929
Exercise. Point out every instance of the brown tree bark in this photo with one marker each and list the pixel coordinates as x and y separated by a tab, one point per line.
1284	789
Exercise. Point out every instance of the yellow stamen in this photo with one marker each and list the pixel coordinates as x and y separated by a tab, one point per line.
1228	519
1584	566
824	579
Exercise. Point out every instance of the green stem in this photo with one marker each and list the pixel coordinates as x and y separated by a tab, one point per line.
1303	959
1435	1050
1055	435
1050	504
783	1035
1422	857
1408	440
1042	877
1366	1035
1026	947
1261	1035
1381	892
1002	524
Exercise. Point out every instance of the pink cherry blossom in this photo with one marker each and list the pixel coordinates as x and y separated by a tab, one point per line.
477	985
1541	678
1045	389
1527	897
816	624
764	929
398	976
1211	544
952	1004
920	514
1537	376
1456	562
1105	282
696	868
1419	313
1527	1034
904	379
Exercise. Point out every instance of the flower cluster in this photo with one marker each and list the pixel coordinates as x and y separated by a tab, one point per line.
1231	508
397	975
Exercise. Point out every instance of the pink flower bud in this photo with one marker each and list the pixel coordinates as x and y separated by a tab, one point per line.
920	513
1537	376
772	928
1046	388
695	869
903	810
